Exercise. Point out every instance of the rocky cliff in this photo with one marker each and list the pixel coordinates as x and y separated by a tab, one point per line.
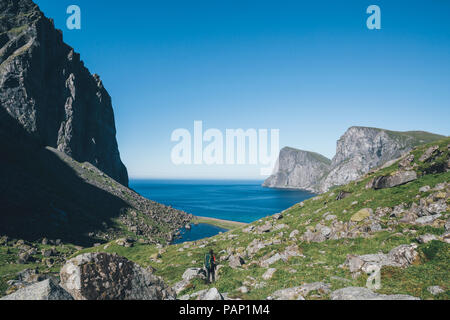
61	176
298	169
358	151
46	87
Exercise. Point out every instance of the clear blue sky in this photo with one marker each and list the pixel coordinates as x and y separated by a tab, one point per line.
309	69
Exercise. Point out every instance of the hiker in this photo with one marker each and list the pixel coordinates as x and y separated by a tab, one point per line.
210	265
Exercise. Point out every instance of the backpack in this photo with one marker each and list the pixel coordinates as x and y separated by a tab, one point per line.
209	261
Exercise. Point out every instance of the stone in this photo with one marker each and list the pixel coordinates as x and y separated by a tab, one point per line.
294	234
298	293
235	261
278	216
181	286
125	242
357	293
325	231
342	195
24	258
103	276
426	238
401	256
243	289
437	207
404	255
269	274
269	261
193	273
355	263
435	290
362	215
375	227
211	294
429	153
427	219
45	290
406	162
397	179
424	189
267	227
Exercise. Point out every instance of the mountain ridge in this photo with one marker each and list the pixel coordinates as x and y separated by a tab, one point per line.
358	150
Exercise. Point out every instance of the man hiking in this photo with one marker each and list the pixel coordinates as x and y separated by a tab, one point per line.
210	265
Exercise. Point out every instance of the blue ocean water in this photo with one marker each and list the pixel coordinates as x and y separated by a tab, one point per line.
242	201
198	231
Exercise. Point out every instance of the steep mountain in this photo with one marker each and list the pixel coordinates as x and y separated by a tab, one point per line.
298	169
46	87
361	149
61	176
358	151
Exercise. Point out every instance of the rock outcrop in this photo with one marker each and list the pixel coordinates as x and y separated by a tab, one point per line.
44	290
357	293
46	87
298	169
102	276
60	172
358	151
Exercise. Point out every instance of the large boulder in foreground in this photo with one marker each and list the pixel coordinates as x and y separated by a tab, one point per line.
44	290
102	276
357	293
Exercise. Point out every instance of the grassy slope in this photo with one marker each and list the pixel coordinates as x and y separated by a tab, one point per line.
321	261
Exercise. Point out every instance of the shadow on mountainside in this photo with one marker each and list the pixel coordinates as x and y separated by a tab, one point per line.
42	196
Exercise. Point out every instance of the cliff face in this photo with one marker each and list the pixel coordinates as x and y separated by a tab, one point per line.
361	149
49	91
298	169
57	141
358	151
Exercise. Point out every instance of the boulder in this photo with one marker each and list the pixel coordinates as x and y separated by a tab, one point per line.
278	216
342	195
404	255
427	219
426	238
181	286
211	294
435	290
294	233
429	153
357	293
45	290
103	276
193	273
361	215
401	256
425	189
271	260
298	293
235	261
125	242
394	180
269	274
267	227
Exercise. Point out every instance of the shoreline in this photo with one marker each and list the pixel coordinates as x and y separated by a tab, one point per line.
225	224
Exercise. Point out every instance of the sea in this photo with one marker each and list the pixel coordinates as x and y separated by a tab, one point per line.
235	200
